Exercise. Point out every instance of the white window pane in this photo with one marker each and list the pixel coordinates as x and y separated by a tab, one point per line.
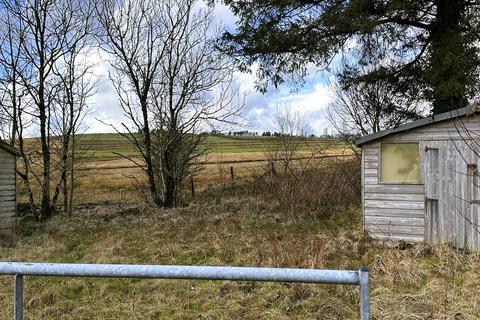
399	163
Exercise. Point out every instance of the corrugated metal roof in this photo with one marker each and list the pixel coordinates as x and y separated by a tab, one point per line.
418	123
5	146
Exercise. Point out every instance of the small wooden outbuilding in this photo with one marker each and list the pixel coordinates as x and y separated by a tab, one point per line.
420	180
8	193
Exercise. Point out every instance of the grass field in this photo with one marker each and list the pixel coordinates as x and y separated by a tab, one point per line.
104	176
281	222
234	226
110	144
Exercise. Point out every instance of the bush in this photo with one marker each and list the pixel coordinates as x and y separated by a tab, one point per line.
333	185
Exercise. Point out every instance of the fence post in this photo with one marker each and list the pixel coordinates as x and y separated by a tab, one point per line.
273	172
364	294
232	176
18	297
192	187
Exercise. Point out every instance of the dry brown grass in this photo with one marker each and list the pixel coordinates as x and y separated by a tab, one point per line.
234	227
305	221
107	180
325	187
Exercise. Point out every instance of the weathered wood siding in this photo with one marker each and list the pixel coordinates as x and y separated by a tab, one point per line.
391	211
454	217
402	211
7	195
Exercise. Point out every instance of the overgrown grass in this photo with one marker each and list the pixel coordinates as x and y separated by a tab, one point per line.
307	220
235	226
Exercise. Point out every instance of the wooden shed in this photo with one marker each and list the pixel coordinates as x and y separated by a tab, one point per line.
420	180
8	195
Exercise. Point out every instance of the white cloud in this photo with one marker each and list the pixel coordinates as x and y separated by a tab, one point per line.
259	110
225	16
104	106
311	101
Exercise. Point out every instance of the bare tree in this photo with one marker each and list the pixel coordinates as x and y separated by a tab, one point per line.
76	86
369	108
171	82
133	32
9	80
195	88
292	148
13	96
44	32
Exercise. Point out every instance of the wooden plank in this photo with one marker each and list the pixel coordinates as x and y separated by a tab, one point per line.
371	148
389	212
7	234
425	136
475	207
7	205
7	159
395	221
369	180
395	196
7	187
431	164
8	225
7	163
395	188
10	176
371	172
450	194
371	151
7	221
442	186
371	164
397	237
7	214
362	174
7	210
395	204
7	199
7	193
394	230
459	201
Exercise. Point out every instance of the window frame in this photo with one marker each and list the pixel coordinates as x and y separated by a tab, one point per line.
419	182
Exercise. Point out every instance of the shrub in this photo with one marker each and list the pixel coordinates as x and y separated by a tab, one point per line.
331	186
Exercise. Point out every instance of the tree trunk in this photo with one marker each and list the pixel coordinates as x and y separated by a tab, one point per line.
62	184
147	141
65	193
72	177
45	207
14	109
448	74
169	176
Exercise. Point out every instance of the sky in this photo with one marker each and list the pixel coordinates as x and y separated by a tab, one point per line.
310	100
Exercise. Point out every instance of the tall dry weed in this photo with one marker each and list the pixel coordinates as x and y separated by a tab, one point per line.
324	189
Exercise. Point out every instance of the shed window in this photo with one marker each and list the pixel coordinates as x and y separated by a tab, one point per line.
399	163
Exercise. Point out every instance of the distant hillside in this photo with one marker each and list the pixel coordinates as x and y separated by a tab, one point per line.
110	144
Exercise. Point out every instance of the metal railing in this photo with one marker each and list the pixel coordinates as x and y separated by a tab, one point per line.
21	269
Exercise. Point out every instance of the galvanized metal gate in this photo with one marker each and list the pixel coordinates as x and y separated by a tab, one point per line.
349	277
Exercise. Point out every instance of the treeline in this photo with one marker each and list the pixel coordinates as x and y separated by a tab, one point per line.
246	133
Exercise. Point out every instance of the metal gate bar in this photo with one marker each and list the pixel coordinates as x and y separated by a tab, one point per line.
349	277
